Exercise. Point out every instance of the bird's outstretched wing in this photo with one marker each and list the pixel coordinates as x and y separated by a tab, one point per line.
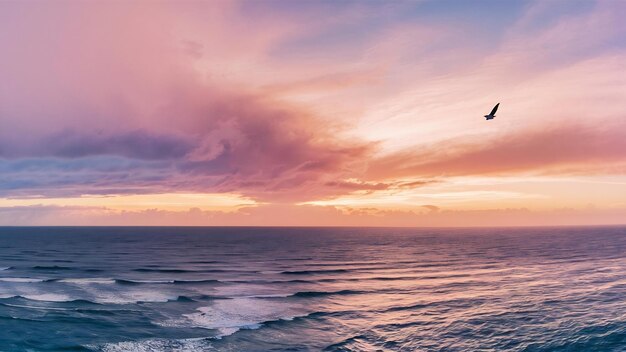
495	108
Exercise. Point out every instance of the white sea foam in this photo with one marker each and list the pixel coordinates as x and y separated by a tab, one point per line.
19	279
227	332
270	272
129	297
49	297
35	307
5	268
151	281
231	330
105	291
232	315
157	345
89	280
96	290
245	290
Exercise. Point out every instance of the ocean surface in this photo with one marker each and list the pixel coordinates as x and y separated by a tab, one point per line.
312	289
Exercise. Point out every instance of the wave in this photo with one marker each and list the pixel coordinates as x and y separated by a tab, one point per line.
189	345
229	316
231	330
191	282
174	282
327	293
55	298
6	268
134	297
47	297
141	282
19	319
389	278
183	299
311	272
183	271
227	331
314	281
254	326
297	281
34	307
271	295
51	267
312	315
21	279
167	271
307	294
340	346
104	298
407	307
86	280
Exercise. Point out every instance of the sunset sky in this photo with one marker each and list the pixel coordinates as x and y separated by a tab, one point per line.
362	113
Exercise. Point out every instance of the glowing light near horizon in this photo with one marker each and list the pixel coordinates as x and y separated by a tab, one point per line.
166	201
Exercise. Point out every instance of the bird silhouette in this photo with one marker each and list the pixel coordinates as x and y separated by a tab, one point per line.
492	114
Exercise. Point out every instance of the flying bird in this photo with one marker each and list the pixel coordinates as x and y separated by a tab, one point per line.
492	114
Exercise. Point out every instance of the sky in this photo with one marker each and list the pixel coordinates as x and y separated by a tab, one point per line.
301	113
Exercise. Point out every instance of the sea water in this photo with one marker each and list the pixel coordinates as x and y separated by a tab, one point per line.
312	289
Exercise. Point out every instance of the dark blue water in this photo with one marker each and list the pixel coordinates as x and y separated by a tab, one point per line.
312	289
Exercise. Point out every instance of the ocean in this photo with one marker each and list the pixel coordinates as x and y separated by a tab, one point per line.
312	289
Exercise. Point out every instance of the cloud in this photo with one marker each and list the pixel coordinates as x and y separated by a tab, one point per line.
267	148
550	34
130	109
562	149
137	144
223	142
432	208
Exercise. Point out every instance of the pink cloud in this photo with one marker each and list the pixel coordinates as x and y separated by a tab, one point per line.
97	108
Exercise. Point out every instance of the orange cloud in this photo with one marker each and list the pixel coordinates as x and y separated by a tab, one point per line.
564	149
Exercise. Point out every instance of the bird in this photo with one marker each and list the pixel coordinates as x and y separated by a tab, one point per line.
492	114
